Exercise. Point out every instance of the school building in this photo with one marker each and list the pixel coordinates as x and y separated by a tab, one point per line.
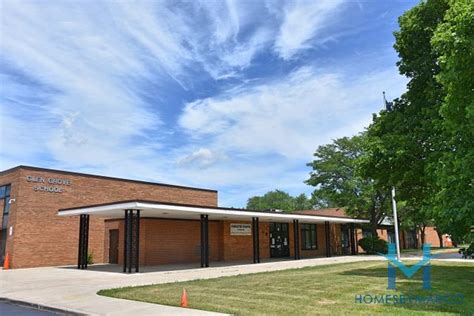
54	217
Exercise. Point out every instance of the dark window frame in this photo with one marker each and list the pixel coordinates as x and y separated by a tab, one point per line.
366	232
309	241
5	195
6	198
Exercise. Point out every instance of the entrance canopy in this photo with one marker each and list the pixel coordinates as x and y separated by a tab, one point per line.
153	209
132	211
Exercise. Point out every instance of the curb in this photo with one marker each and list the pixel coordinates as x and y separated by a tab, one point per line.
41	307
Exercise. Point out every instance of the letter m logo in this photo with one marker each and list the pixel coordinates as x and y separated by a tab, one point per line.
409	271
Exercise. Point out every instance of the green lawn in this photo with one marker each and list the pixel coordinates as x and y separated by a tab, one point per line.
315	290
434	250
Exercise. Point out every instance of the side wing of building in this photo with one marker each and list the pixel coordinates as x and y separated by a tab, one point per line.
32	233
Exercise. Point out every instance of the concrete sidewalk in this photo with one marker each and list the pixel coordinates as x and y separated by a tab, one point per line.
75	290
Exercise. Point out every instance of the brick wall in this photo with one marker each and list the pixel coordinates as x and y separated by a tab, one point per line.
14	180
164	241
431	237
176	241
237	248
42	238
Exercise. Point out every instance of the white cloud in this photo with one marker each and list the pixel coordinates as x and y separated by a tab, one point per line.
302	21
270	131
291	116
76	76
94	61
201	158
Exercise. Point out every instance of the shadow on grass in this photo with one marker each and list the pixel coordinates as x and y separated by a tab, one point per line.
452	281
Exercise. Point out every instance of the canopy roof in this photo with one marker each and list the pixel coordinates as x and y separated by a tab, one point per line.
155	209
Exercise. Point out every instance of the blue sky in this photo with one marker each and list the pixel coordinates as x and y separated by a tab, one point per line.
228	95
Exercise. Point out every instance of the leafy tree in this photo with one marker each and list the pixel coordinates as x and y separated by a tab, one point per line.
302	202
337	178
453	43
280	200
406	140
319	202
423	143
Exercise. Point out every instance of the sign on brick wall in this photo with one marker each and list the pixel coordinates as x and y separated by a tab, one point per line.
51	185
240	230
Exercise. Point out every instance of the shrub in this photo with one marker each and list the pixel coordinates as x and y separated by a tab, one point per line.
90	258
373	245
467	253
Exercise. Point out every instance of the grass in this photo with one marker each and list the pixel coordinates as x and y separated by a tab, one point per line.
327	289
434	250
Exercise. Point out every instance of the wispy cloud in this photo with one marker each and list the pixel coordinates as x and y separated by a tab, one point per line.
201	158
302	21
270	131
290	116
223	94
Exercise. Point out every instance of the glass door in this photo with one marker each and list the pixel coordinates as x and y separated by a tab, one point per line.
279	242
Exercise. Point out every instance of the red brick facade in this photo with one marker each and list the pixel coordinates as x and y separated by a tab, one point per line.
406	241
164	241
41	238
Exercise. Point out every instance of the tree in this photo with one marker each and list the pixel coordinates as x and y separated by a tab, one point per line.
302	202
423	144
280	200
453	43
337	179
407	139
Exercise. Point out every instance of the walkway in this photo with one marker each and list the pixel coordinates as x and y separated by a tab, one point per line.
75	290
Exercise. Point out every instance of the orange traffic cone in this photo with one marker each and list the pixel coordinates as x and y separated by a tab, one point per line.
6	262
184	298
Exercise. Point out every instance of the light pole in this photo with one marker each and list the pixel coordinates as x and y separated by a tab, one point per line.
395	223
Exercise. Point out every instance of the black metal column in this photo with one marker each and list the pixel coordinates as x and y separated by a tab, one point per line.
207	240
126	246
83	241
296	242
257	230
131	249
86	240
352	239
204	240
299	240
137	241
328	238
256	240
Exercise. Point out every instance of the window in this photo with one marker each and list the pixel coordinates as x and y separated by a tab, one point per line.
5	196
6	205
391	236
366	232
308	235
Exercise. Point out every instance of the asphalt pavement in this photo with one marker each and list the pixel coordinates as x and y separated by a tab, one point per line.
9	309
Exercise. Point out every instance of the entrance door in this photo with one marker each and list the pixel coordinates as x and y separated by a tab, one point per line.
113	245
279	243
345	242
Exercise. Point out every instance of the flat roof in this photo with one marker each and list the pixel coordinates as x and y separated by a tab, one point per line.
101	177
155	209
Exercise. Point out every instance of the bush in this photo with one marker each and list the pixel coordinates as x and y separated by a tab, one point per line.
467	253
373	245
90	258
